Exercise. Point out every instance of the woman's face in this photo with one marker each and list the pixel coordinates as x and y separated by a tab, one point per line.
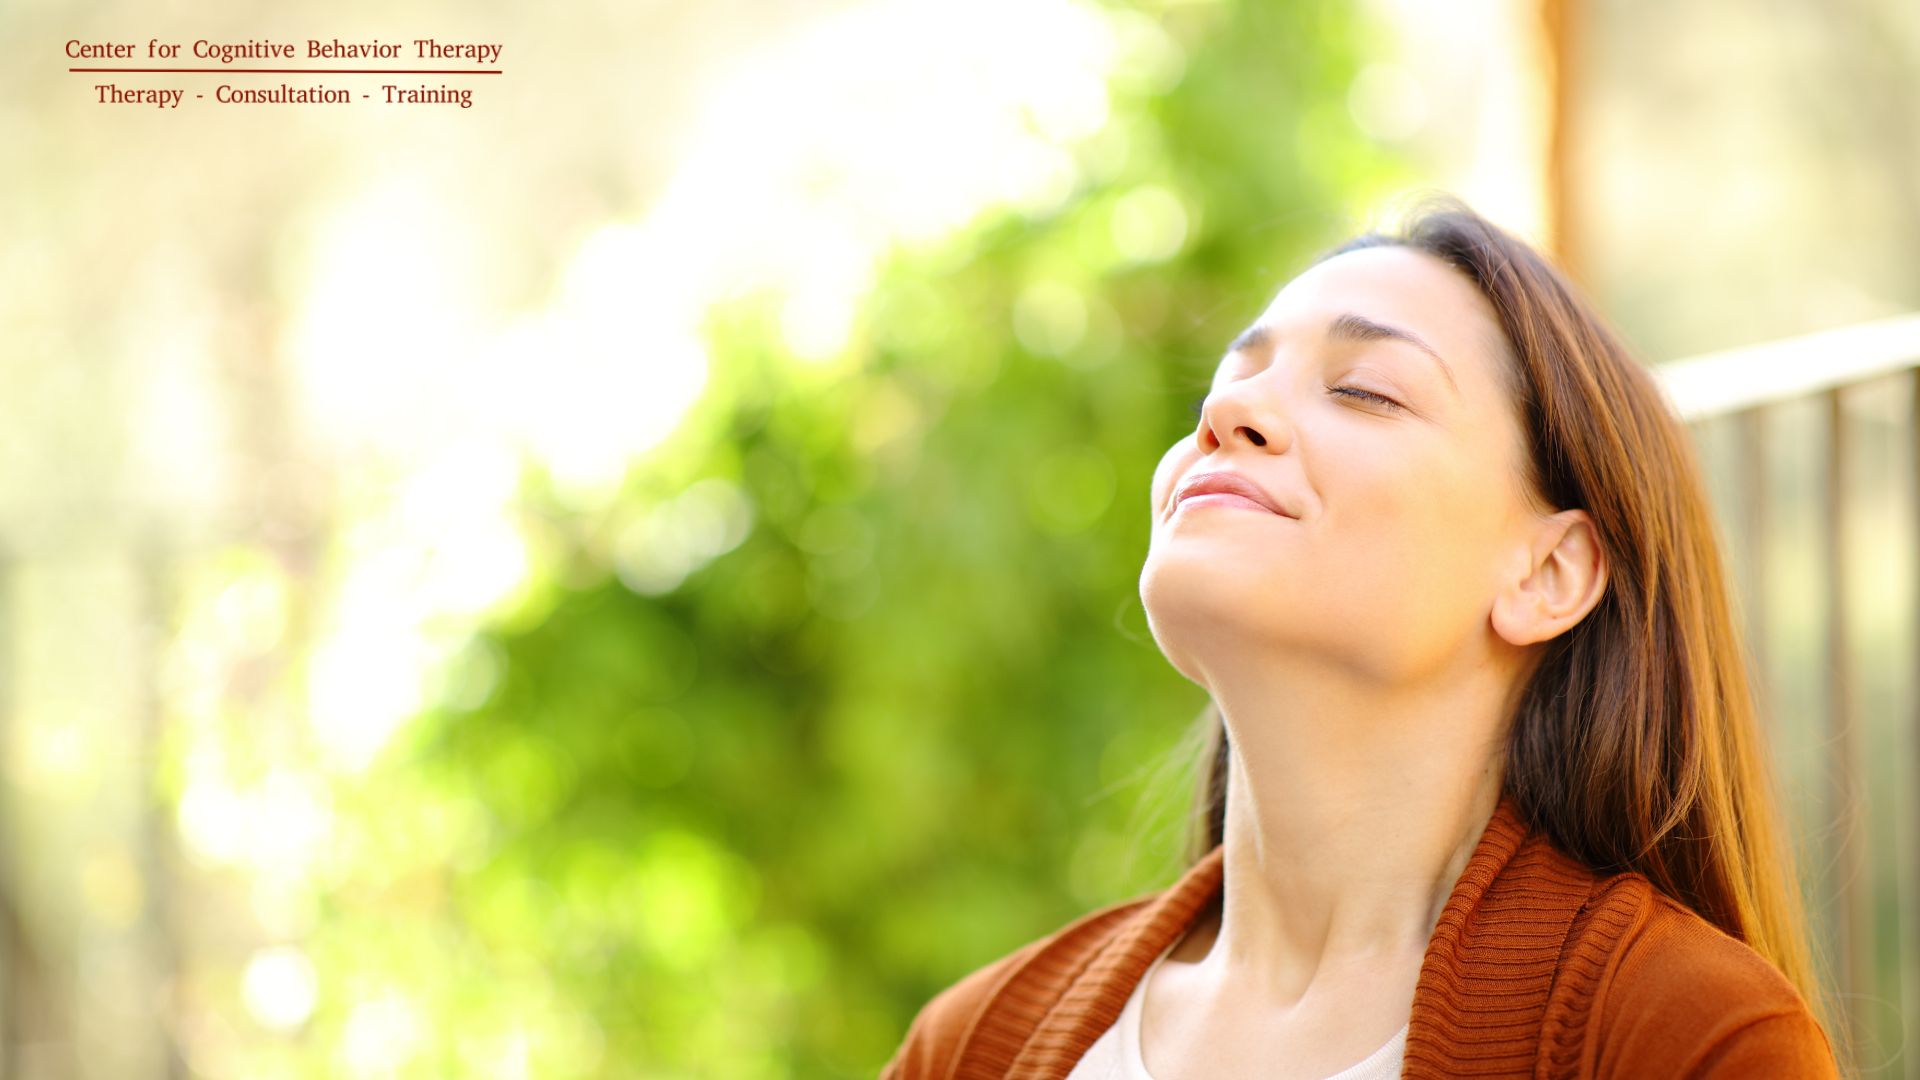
1399	518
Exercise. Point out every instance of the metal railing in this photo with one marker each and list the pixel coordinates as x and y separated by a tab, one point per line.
1812	450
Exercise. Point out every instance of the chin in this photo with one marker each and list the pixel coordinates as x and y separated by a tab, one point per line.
1190	605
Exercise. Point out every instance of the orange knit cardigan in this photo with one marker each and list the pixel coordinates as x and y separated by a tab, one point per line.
1538	967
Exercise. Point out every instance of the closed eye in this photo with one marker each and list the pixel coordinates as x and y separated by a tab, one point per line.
1200	403
1354	391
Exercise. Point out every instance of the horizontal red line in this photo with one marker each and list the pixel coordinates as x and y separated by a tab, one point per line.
306	71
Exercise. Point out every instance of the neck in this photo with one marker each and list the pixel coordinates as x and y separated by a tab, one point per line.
1351	812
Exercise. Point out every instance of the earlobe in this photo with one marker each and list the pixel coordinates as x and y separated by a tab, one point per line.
1567	576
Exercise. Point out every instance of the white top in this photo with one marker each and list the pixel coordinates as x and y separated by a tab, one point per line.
1115	1055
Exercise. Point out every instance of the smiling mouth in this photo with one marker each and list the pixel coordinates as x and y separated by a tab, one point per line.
1224	500
1225	488
1221	498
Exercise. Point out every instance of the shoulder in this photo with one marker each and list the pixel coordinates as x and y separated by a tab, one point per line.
1674	994
1021	985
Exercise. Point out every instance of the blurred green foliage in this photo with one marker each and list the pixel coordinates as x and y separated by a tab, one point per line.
748	825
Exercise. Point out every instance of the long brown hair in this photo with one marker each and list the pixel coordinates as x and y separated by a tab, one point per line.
1635	743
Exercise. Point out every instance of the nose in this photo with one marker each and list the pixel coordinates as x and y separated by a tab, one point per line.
1244	414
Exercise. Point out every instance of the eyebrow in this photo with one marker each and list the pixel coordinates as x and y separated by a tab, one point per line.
1349	326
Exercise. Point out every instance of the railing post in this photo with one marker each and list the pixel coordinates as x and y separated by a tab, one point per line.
1752	435
12	980
1910	920
1852	872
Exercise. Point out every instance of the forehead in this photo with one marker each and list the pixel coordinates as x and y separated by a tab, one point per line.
1397	285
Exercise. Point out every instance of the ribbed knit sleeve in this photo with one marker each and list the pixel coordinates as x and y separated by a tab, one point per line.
1685	999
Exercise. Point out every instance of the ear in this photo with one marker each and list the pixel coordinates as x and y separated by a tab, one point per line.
1565	576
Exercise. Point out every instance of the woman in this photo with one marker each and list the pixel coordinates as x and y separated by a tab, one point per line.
1484	793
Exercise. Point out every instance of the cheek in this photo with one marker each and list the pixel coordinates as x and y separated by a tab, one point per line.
1425	523
1173	464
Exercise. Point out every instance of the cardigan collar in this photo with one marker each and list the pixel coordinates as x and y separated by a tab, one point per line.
1475	999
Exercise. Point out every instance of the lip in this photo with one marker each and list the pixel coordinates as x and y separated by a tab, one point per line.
1225	483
